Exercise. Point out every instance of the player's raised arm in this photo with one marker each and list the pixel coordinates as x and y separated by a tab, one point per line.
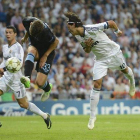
103	26
113	25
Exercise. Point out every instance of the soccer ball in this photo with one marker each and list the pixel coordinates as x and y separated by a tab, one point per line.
13	65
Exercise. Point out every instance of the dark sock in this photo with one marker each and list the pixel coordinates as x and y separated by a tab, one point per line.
29	64
28	68
46	87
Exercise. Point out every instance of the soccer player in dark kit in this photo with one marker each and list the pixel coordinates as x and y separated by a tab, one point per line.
41	49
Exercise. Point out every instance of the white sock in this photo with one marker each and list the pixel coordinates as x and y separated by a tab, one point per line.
33	108
94	99
130	76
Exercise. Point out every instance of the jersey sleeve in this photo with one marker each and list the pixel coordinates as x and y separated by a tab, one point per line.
27	20
97	27
2	65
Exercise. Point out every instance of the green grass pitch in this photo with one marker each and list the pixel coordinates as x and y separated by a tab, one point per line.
107	127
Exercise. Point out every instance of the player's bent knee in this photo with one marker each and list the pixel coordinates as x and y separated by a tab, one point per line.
23	105
97	85
39	84
34	51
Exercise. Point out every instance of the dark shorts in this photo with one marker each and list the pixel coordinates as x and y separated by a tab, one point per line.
46	68
41	51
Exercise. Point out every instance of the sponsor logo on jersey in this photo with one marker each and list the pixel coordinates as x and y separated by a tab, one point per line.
95	43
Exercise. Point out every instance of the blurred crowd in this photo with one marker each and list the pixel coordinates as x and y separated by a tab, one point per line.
71	73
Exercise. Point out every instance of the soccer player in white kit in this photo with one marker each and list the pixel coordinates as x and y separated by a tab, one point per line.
11	81
107	52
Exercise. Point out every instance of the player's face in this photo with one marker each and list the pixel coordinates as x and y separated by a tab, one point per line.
71	28
10	35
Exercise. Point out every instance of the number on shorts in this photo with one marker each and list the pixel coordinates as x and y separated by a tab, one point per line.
122	66
46	67
18	92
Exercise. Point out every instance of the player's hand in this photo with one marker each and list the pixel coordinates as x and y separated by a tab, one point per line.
23	40
1	70
89	42
42	61
118	33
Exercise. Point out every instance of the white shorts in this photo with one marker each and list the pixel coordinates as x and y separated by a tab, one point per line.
18	89
115	62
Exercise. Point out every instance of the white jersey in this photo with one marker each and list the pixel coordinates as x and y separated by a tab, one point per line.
15	50
103	47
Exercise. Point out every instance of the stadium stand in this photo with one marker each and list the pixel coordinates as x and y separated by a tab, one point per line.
71	73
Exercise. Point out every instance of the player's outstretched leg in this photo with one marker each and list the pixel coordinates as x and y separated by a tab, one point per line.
47	90
91	123
94	99
48	121
130	76
33	108
132	88
26	81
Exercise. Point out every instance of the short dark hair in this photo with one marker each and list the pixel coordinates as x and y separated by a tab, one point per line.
73	18
36	28
12	27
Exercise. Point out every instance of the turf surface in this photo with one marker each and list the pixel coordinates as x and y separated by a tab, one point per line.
107	127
